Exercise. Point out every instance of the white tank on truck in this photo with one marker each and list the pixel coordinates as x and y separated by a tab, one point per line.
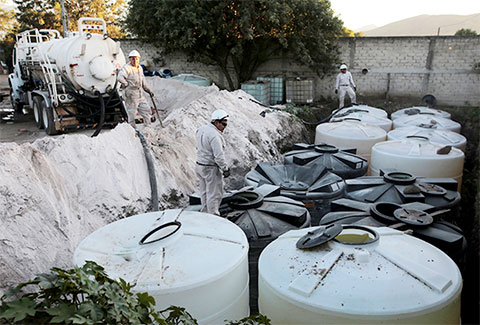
69	82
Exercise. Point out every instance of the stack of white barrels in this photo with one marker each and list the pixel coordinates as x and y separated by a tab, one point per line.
423	141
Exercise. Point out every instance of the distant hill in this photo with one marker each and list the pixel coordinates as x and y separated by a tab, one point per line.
363	29
426	25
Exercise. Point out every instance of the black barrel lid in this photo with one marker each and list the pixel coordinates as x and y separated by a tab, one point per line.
384	211
413	217
341	161
261	212
319	236
300	182
400	188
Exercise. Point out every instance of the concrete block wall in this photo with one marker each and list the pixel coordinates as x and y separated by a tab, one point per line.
407	66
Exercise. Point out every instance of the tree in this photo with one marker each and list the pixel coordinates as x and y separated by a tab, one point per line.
466	32
347	32
243	33
7	37
46	14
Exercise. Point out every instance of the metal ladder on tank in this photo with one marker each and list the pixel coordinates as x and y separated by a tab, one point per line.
49	71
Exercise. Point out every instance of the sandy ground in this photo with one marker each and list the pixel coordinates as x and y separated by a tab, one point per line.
20	130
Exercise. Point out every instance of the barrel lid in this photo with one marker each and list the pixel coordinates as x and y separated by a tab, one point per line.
365	109
444	137
357	273
168	250
416	148
420	110
427	121
423	220
303	182
340	161
319	236
352	130
261	212
396	187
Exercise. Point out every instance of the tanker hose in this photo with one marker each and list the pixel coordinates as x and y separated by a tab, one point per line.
102	114
151	171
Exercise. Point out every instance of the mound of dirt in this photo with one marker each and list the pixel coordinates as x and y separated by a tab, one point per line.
57	190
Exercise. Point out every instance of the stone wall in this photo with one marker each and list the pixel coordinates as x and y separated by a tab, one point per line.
447	67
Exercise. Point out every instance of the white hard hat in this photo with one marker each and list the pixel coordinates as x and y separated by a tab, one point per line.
219	114
134	53
343	66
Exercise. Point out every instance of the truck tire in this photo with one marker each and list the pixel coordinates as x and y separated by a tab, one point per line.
17	107
38	111
47	117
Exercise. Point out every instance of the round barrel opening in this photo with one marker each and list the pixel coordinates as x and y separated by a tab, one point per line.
326	148
161	232
356	235
245	200
399	178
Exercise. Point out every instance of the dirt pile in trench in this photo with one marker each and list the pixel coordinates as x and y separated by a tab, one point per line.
57	190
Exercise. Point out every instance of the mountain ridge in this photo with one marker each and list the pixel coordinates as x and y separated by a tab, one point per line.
427	25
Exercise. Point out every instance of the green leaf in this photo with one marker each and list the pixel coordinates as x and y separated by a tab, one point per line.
92	310
19	309
62	313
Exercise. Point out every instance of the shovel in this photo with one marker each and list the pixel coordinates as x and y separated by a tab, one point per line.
156	110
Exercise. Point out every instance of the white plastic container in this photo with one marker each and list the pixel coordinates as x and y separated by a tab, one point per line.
202	265
361	109
443	137
427	121
350	134
366	118
419	157
422	110
88	60
357	279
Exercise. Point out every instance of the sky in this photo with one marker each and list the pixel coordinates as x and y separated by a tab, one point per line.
359	13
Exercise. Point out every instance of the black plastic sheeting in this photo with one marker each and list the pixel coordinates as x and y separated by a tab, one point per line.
341	161
399	187
263	215
314	185
433	229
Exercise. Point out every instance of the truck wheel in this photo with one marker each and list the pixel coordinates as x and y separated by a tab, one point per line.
17	107
37	111
47	117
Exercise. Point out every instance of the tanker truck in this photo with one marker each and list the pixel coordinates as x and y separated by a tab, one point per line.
69	82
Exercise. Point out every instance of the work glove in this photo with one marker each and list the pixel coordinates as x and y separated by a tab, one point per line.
226	173
355	88
336	91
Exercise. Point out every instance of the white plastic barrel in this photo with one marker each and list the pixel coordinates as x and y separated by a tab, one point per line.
443	137
361	108
427	121
363	276
419	157
350	134
197	261
422	110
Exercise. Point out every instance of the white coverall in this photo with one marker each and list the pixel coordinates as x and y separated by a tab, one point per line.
345	84
210	164
133	80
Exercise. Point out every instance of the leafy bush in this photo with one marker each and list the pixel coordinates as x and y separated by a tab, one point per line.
84	295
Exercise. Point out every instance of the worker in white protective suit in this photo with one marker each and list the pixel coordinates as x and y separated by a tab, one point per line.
133	81
344	84
211	163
